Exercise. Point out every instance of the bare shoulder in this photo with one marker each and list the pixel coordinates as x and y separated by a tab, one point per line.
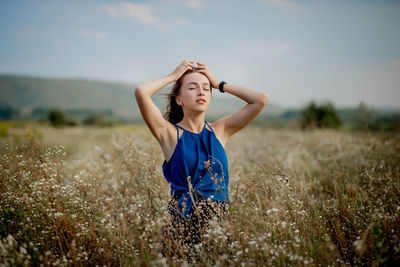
168	136
169	140
218	128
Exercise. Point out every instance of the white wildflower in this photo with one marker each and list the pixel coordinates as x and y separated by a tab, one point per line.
58	214
22	250
358	244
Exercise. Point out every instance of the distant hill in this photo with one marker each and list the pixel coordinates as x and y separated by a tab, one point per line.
30	93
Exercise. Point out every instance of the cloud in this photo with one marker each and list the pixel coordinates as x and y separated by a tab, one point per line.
182	21
281	3
264	48
143	13
111	10
195	4
92	35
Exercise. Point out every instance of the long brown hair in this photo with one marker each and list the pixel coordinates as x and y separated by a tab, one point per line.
174	112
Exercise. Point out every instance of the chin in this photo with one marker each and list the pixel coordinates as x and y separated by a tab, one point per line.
201	109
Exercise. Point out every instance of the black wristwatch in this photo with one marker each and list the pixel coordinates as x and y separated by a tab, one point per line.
221	87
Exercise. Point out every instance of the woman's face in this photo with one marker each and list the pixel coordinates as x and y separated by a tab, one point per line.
195	86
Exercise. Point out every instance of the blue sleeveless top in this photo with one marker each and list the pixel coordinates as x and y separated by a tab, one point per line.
199	162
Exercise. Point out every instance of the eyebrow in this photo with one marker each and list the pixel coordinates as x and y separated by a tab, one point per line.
196	83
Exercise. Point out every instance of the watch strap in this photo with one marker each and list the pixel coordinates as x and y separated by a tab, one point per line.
221	87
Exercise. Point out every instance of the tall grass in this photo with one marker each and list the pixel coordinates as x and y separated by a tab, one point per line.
319	198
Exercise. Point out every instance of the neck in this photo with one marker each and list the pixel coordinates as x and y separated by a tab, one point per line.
193	123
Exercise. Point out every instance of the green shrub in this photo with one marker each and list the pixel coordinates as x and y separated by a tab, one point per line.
98	120
319	116
56	117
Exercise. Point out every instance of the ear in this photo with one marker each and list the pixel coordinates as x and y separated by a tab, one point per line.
178	100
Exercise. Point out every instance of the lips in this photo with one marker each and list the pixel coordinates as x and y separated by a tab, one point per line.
201	100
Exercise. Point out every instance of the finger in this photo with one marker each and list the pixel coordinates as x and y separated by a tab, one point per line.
204	67
203	71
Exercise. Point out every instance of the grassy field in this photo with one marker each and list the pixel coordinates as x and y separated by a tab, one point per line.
97	196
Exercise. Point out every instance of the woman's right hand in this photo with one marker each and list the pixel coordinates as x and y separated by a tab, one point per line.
182	68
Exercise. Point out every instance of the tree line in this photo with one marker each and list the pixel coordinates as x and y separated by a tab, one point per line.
311	116
58	117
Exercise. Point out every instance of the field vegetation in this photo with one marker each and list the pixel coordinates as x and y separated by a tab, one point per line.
97	196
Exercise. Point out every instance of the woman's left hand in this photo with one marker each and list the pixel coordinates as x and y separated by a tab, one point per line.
202	68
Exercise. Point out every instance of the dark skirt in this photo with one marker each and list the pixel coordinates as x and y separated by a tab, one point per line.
181	235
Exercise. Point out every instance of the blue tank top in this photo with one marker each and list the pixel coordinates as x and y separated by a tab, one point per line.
198	163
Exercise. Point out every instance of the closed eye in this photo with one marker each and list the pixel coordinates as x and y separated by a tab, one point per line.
196	88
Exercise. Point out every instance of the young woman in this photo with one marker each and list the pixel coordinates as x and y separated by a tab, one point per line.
195	163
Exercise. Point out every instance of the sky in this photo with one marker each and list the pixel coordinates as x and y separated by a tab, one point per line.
340	51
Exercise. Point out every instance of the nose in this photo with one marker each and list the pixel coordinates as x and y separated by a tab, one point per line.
201	91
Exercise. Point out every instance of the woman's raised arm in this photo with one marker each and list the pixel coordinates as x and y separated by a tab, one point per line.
150	112
256	101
